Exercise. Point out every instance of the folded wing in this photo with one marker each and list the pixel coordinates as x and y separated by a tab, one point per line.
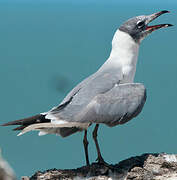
117	106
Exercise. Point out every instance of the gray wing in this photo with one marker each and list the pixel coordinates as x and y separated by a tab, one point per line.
64	119
101	98
82	95
95	84
117	106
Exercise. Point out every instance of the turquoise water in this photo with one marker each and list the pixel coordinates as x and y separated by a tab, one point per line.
46	48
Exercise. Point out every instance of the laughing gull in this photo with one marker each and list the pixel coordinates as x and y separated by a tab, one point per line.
109	96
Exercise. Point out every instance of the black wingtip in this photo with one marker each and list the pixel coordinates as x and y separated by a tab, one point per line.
165	11
25	121
19	128
16	122
6	124
39	118
170	25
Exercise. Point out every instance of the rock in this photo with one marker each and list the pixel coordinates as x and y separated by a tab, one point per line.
144	167
6	172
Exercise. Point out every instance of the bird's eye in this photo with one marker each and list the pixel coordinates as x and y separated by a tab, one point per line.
140	24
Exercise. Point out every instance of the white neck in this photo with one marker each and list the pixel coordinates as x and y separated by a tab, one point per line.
123	56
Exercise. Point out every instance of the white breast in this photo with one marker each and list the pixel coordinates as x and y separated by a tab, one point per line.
123	56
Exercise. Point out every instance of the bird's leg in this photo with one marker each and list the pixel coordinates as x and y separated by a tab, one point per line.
100	158
85	142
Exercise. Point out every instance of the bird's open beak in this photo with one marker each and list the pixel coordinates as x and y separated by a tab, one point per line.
155	27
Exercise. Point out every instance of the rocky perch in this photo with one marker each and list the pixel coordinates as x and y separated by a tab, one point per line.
144	167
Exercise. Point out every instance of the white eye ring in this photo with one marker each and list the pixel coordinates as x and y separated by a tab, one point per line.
140	24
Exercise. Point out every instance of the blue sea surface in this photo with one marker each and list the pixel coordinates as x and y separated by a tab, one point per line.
47	47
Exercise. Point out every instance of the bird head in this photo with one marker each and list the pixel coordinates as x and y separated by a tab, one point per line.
138	27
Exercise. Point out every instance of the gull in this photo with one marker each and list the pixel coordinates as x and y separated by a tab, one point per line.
109	96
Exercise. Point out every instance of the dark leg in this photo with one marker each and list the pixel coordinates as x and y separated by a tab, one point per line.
85	142
100	158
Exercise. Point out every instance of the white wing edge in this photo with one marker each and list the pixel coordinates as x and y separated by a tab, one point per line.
40	126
